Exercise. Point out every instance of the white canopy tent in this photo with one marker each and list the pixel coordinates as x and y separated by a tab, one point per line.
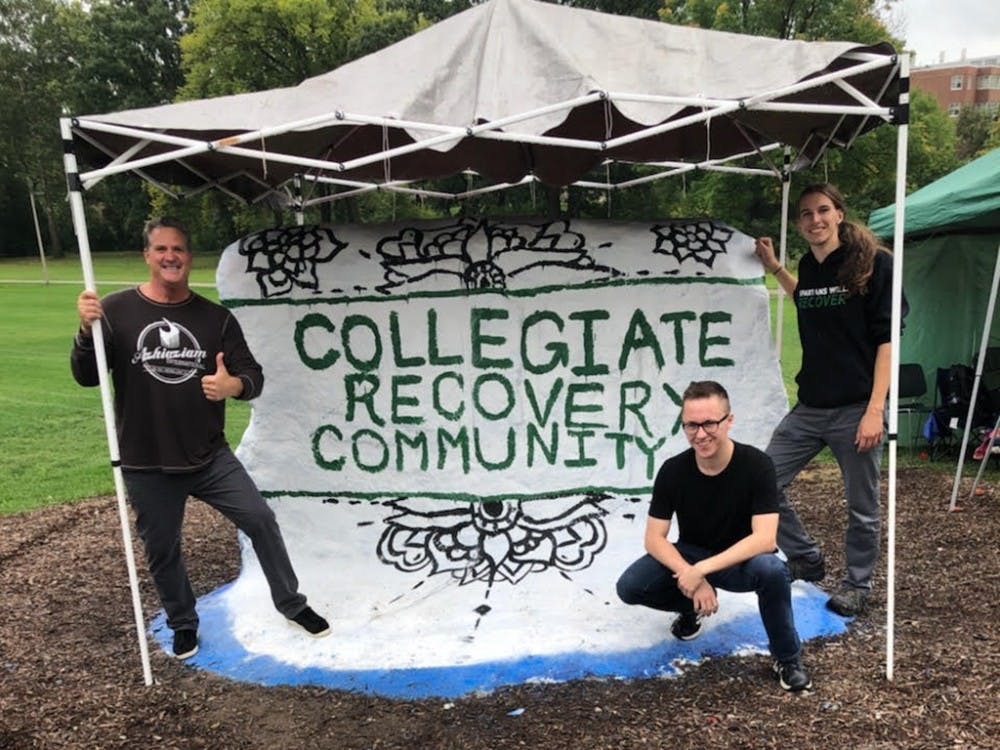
512	91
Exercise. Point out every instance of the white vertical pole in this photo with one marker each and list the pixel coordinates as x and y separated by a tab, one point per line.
991	440
983	345
300	216
83	240
786	184
38	232
902	119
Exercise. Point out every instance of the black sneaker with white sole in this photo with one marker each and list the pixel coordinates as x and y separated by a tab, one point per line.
185	643
687	626
791	676
311	622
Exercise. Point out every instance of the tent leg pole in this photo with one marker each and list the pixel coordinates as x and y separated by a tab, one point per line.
975	383
903	117
986	458
83	240
779	313
300	217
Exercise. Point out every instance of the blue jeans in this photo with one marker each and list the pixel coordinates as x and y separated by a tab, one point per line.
795	442
159	500
652	584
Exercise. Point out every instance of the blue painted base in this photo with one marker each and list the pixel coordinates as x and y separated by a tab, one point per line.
222	654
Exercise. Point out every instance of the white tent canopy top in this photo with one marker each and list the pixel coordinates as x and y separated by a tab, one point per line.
512	90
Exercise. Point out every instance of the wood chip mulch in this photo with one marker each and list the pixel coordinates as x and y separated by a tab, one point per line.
70	675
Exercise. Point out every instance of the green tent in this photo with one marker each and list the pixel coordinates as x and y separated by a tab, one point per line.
952	236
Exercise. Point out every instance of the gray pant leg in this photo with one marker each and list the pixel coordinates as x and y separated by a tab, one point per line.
861	488
158	500
226	486
795	442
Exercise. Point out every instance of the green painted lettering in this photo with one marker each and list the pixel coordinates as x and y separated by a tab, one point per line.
572	407
311	321
705	341
360	388
350	325
480	340
560	352
639	336
399	382
589	366
397	345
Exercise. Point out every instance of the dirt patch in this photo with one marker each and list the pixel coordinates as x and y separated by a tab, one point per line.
70	674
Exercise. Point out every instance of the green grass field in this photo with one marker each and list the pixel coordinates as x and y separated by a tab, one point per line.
52	430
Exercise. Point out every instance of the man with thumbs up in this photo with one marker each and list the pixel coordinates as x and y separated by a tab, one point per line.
175	357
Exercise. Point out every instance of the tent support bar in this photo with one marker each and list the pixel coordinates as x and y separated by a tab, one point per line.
983	345
786	185
902	137
83	240
190	147
986	457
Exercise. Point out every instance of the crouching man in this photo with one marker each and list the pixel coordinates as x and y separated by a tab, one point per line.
726	500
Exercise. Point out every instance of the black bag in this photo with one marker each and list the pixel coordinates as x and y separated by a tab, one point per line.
955	388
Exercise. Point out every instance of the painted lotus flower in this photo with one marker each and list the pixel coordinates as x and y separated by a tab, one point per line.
285	258
480	254
494	540
701	241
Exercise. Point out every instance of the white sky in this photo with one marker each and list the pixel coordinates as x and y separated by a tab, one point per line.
931	27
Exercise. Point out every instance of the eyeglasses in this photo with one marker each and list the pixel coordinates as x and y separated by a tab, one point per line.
710	426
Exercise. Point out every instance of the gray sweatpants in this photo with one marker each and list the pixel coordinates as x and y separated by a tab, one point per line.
159	500
799	437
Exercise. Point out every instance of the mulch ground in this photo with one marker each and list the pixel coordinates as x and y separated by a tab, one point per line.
70	675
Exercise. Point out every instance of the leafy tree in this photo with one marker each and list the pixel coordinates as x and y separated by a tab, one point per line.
252	45
30	154
125	54
992	139
819	20
972	128
74	57
637	8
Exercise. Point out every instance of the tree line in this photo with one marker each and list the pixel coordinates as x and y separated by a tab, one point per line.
73	57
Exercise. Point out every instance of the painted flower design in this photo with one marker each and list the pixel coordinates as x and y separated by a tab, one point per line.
493	540
479	254
285	258
702	241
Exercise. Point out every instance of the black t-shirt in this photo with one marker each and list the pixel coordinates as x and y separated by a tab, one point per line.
158	354
840	333
714	512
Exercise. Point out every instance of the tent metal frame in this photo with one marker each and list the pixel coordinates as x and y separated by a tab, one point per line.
980	363
447	135
238	144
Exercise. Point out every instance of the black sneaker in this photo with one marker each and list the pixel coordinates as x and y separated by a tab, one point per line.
848	602
791	676
807	570
185	643
687	626
311	622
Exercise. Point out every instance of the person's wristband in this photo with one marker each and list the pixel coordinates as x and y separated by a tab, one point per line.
778	270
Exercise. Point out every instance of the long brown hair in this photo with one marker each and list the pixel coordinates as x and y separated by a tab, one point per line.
858	242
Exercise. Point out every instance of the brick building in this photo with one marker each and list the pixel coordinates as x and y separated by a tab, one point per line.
973	82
